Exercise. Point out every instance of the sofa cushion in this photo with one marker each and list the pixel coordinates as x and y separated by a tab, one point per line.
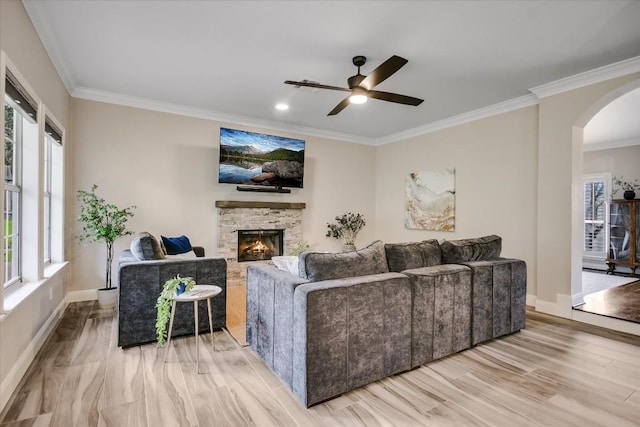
176	245
465	250
145	247
405	256
327	266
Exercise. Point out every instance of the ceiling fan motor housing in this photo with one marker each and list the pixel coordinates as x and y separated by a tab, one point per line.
359	61
355	81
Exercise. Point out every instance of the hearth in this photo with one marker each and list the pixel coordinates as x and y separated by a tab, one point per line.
259	245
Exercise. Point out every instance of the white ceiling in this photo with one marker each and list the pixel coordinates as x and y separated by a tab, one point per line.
616	125
228	59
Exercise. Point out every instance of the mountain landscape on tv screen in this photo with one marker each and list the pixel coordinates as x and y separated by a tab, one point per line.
259	159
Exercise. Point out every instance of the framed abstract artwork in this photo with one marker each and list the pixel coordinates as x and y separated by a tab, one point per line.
430	200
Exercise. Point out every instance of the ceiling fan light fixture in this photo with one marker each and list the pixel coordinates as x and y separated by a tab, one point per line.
358	99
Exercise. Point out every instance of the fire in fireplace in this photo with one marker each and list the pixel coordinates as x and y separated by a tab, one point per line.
259	245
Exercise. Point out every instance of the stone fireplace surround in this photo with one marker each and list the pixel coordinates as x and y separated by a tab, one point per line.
241	215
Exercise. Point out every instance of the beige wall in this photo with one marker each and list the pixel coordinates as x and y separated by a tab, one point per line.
560	187
495	161
25	327
622	161
167	165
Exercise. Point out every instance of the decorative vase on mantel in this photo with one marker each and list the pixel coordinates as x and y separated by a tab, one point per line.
348	247
629	195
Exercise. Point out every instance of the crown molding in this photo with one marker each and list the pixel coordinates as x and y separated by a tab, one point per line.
201	113
608	145
480	113
41	26
608	72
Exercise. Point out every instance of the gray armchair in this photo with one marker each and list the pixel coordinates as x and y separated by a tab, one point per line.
140	284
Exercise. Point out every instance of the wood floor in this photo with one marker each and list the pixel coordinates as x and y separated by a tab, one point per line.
553	373
621	302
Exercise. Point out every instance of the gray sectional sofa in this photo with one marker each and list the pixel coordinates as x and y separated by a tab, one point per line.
141	282
352	318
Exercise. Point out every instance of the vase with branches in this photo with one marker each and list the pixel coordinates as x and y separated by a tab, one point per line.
628	187
102	222
346	228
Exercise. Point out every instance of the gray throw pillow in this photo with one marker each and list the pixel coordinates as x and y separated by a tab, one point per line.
146	247
317	266
465	250
406	256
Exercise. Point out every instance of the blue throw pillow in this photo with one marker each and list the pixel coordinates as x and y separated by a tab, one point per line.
177	245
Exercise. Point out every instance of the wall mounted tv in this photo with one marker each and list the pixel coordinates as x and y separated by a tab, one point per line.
257	159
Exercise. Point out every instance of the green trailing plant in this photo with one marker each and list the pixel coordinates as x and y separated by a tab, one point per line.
623	185
102	222
346	227
163	305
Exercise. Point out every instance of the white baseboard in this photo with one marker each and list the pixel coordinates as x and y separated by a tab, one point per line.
13	378
561	308
531	300
85	295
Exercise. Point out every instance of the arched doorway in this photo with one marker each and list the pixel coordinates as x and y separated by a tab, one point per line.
578	200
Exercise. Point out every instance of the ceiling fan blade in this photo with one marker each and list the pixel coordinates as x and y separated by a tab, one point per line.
317	85
386	69
394	97
341	106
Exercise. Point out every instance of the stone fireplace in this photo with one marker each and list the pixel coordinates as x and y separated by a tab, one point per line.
267	218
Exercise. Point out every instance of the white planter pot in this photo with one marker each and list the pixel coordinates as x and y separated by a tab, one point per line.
107	297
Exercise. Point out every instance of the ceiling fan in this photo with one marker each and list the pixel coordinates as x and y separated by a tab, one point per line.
361	87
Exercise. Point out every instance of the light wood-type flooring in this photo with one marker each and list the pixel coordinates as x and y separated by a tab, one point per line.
554	373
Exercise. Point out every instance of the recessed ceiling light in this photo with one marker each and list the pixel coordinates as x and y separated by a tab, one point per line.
282	107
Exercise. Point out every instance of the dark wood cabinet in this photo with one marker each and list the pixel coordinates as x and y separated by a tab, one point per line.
624	235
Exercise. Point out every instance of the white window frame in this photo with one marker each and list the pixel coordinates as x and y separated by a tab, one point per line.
605	178
46	199
15	188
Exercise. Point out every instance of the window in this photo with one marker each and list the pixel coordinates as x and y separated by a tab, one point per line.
52	164
12	192
20	112
596	193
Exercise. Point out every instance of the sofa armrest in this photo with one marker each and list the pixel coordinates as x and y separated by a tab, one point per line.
349	332
270	315
499	297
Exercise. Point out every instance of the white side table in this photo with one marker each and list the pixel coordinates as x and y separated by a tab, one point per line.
197	293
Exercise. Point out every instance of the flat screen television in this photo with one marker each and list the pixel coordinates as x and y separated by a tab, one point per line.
258	159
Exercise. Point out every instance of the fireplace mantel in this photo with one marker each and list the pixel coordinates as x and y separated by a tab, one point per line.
233	204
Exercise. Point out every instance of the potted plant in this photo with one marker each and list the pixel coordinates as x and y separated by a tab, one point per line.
171	288
628	187
103	222
346	229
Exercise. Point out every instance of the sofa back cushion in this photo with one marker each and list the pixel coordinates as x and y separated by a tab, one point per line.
465	250
406	256
145	247
317	266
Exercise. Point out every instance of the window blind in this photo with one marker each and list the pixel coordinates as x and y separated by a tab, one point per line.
20	96
51	130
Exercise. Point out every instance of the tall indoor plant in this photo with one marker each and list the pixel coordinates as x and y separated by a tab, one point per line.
102	222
